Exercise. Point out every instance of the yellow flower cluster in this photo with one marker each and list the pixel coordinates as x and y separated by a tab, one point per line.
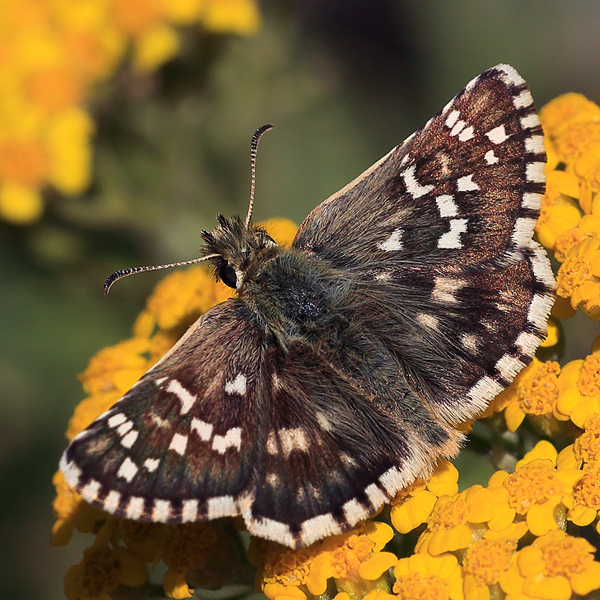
52	53
516	538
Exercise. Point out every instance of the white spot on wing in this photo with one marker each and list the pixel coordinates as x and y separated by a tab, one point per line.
535	144
469	341
466	184
127	470
232	439
187	400
531	200
91	489
527	343
375	495
354	511
509	366
466	134
393	481
124	428
293	439
497	135
445	288
428	320
178	443
451	239
189	511
394	242
530	121
237	386
130	439
446	206
452	117
112	501
135	508
71	471
318	527
161	511
221	506
535	172
490	157
323	421
457	128
117	420
204	430
413	187
523	100
151	464
483	391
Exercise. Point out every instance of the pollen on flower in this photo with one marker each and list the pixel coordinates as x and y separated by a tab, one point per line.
486	560
587	445
346	559
586	491
532	483
589	376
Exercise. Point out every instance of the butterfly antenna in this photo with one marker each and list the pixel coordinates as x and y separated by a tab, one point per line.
126	272
253	147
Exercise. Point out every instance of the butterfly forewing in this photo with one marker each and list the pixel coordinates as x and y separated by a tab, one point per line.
464	189
408	301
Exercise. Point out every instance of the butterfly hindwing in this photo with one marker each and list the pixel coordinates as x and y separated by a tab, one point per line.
182	443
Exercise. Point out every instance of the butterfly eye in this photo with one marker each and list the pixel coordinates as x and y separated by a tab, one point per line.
227	275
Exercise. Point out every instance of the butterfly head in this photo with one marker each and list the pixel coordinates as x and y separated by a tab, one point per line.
237	250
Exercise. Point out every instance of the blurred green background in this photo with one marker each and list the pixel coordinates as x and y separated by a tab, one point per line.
343	81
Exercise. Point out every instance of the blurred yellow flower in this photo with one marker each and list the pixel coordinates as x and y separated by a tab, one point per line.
102	569
52	54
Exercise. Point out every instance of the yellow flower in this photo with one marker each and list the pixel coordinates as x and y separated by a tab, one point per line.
456	521
236	16
537	490
354	561
579	276
102	569
422	577
588	226
566	109
483	565
554	567
587	446
579	389
533	392
413	505
71	512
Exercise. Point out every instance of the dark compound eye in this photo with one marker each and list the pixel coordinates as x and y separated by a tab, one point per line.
227	275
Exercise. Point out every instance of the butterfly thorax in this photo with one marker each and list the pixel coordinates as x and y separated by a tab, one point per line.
292	294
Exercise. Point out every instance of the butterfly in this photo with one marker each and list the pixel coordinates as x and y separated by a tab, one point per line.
341	369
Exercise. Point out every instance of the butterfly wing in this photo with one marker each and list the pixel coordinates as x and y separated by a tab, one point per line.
281	436
181	445
438	237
